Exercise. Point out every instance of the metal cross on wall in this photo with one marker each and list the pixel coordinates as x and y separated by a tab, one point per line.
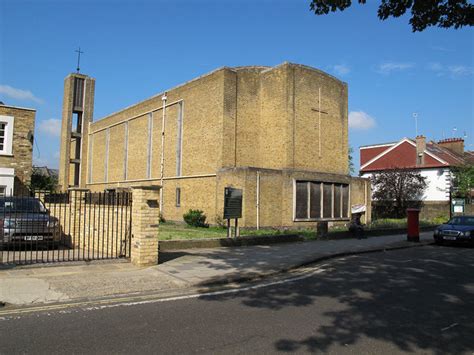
79	52
319	111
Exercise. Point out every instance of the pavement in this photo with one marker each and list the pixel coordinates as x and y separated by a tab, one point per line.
178	270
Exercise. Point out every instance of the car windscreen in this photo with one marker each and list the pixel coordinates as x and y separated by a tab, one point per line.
21	205
462	221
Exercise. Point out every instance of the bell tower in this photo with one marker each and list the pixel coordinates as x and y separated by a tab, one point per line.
78	108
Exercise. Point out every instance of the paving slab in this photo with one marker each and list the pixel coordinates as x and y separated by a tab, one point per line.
178	269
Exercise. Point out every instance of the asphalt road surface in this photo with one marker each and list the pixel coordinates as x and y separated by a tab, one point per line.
414	300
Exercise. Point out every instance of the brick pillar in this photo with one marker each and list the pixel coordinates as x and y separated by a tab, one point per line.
145	222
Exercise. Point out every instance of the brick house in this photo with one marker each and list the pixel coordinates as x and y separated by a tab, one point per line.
278	133
434	161
17	126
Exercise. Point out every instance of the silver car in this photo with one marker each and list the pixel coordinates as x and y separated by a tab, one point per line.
26	220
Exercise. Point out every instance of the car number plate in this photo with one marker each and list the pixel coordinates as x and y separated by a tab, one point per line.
449	238
34	237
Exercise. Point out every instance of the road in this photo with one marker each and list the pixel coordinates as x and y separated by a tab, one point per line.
413	300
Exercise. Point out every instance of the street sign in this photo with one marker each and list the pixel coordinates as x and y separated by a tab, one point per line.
457	205
232	203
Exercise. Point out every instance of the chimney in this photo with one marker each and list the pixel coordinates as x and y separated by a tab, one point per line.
455	145
420	150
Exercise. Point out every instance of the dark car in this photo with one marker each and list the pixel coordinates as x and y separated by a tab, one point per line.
26	220
459	229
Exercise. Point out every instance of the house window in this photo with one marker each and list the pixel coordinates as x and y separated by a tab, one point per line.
178	197
3	128
6	134
3	191
316	200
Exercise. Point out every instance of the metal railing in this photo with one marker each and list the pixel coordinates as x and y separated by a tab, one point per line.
56	227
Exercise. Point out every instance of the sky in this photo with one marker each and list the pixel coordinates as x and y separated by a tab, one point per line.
136	49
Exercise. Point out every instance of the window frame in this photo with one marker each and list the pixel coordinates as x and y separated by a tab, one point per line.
8	137
334	185
178	197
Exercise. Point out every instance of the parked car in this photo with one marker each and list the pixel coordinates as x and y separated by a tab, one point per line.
459	229
25	220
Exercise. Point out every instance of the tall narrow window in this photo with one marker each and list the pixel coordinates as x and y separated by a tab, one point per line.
125	159
327	200
106	162
178	197
6	134
301	200
149	145
179	139
315	198
3	129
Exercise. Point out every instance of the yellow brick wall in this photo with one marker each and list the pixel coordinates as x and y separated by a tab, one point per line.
232	118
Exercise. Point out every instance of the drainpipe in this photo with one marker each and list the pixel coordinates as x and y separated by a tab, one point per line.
258	200
162	166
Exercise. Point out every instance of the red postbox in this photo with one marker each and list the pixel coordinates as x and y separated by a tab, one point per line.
413	222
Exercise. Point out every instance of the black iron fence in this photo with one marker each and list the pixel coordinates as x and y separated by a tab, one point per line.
72	226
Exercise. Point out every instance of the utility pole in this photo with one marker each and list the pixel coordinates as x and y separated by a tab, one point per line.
162	165
415	116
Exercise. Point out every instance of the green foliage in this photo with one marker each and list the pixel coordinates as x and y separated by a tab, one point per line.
441	13
395	191
351	161
43	182
463	181
195	218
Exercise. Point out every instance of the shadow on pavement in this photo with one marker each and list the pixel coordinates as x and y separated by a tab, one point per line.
421	298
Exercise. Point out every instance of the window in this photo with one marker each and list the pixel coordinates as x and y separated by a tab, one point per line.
3	128
3	191
178	197
316	200
6	134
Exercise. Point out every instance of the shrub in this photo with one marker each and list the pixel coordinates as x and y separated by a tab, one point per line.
195	218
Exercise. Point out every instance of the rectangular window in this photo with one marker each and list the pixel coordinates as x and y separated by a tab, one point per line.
316	200
337	201
178	197
327	200
301	200
78	94
6	134
3	129
179	140
3	190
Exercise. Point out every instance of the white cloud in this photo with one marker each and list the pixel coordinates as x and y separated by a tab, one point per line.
50	127
441	49
19	94
388	67
454	71
460	70
435	67
360	120
341	69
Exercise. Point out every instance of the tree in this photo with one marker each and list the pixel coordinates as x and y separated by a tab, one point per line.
396	190
351	161
424	13
43	182
463	181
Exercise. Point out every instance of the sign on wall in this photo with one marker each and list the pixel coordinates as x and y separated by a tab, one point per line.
232	203
457	205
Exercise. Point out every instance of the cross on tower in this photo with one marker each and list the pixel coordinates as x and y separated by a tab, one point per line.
79	52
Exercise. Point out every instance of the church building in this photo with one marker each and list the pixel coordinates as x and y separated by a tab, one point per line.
280	134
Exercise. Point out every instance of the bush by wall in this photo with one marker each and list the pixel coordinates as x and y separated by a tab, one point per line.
195	218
